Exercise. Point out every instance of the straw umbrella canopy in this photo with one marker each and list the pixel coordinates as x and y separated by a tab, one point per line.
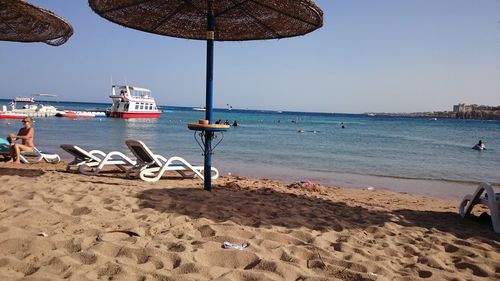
24	22
214	20
236	20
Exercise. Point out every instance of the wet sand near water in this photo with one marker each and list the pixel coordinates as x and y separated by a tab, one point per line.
452	190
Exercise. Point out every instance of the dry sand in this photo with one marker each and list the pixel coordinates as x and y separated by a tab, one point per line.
56	225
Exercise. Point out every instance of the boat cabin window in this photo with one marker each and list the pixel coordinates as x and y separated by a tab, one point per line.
139	93
136	106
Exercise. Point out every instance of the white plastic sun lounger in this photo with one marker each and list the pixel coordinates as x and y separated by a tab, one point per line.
490	199
151	167
31	157
92	162
38	155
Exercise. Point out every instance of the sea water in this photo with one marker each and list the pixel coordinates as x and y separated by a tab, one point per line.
370	150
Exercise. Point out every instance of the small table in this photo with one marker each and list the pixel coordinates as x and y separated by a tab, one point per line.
208	127
202	131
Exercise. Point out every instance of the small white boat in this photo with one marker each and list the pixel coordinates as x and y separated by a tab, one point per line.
31	110
199	108
132	102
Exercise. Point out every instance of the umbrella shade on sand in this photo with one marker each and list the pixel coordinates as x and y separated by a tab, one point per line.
24	22
214	20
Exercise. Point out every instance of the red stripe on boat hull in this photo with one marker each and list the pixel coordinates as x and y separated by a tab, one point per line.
2	116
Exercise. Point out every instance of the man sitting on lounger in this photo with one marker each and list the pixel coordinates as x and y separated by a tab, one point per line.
26	135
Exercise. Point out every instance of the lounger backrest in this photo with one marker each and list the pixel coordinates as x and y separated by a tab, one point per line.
142	152
78	152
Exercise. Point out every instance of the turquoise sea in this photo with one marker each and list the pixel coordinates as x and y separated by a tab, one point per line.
416	155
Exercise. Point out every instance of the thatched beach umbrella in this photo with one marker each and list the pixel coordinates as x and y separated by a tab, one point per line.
214	20
24	22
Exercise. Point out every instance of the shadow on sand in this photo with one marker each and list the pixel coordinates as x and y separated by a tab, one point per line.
268	207
32	173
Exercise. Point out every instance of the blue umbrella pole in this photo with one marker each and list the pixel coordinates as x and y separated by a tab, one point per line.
207	171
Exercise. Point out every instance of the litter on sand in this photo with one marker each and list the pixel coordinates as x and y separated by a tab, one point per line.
227	245
304	183
307	182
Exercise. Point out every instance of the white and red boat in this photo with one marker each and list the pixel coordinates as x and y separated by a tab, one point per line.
132	102
12	115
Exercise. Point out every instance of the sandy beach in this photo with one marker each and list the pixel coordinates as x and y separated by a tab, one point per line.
56	225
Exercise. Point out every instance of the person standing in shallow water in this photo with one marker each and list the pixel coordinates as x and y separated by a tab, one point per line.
26	134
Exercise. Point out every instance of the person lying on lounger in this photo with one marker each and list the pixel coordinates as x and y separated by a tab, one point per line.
26	134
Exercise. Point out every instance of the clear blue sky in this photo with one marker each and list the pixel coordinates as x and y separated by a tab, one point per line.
370	55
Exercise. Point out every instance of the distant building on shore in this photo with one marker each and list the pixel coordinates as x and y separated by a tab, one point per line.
463	108
460	111
474	111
